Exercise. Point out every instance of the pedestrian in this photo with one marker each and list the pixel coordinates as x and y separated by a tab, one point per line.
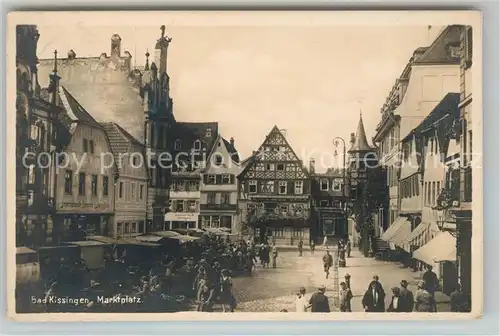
206	297
459	302
431	283
374	298
345	298
274	252
327	263
348	248
226	295
301	244
406	297
396	305
319	301
378	284
423	299
301	302
312	247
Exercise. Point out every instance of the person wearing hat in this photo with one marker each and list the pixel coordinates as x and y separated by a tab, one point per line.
345	297
319	301
327	263
406	297
301	302
423	299
374	298
396	305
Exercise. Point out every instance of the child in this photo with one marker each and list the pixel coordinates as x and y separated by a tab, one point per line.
345	298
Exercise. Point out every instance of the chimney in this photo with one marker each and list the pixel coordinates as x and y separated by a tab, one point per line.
312	166
231	141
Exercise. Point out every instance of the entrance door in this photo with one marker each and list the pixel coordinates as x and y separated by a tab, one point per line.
450	276
328	227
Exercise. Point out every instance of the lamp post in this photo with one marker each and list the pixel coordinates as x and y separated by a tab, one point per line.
336	142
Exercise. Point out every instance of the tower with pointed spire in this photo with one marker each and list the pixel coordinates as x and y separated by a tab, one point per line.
361	153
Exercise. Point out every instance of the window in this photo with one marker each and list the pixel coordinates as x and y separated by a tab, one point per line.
282	187
141	191
197	145
323	203
105	186
119	228
279	232
337	185
179	206
192	206
215	221
68	182
120	190
205	220
193	186
324	184
81	184
177	144
218	160
132	191
211	198
226	179
94	185
268	187
225	198
127	227
91	146
134	227
299	186
280	167
270	166
211	179
226	221
179	186
433	193
252	187
298	232
135	161
85	145
208	132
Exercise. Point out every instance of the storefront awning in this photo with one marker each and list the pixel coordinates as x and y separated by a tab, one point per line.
399	232
418	233
441	248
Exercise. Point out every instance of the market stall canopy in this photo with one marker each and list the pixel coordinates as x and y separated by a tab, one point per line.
440	248
165	234
107	240
88	243
149	238
216	231
133	241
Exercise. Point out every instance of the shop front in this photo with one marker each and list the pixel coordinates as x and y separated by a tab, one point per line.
181	220
75	227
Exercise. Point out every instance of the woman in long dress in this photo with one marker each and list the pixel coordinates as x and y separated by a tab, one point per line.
423	299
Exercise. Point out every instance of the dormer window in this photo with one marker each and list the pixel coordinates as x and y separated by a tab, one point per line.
197	145
208	132
177	144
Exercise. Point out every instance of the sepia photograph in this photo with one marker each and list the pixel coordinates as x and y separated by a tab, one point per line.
215	164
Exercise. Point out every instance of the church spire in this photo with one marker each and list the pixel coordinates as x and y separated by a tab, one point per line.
360	143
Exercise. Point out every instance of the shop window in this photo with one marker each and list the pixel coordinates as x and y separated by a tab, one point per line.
226	221
127	228
215	221
206	221
134	227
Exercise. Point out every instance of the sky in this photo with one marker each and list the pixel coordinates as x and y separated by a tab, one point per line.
311	81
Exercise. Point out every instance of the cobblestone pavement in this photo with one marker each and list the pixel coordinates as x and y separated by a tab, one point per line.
363	269
271	290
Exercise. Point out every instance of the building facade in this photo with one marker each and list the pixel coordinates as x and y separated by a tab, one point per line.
34	145
219	187
132	183
328	203
84	193
275	192
430	74
191	144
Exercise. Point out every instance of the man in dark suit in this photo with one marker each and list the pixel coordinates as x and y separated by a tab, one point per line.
374	298
431	284
406	297
319	301
396	305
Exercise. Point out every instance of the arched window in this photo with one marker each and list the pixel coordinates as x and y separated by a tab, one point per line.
177	144
197	145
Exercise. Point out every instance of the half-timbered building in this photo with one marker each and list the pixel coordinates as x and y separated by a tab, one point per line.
275	192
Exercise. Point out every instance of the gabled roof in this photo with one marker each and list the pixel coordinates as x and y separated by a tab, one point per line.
231	150
119	138
74	110
248	162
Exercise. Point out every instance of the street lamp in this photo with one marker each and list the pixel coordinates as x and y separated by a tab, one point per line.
336	142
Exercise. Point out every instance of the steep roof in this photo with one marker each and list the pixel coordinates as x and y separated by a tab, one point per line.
120	140
231	150
360	143
74	110
438	51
